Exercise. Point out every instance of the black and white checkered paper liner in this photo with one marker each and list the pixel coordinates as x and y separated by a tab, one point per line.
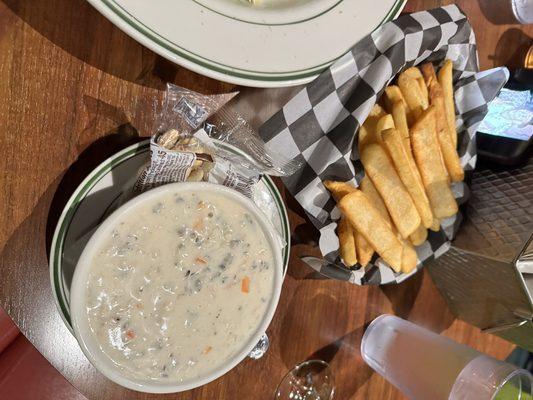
319	125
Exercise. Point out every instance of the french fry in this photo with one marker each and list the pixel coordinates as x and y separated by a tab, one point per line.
435	227
366	135
419	236
339	189
399	115
409	257
413	95
362	214
449	154
392	95
363	249
424	90
415	73
446	82
394	194
385	122
377	111
393	143
430	71
427	157
346	242
368	188
367	131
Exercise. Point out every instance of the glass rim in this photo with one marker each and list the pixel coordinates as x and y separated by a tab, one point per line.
298	366
308	362
513	374
369	329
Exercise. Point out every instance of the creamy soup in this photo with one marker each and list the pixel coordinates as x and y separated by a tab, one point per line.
179	286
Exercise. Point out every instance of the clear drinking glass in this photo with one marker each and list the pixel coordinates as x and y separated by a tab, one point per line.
425	365
523	11
310	380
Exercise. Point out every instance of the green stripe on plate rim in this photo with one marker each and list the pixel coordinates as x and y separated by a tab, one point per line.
265	24
166	44
87	185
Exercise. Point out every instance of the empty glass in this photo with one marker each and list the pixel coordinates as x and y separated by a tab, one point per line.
310	380
425	365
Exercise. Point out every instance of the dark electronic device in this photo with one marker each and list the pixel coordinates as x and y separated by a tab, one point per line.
506	133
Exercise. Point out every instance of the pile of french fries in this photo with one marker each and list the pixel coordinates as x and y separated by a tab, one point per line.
408	148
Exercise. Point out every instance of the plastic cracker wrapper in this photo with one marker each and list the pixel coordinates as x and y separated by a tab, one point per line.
320	125
224	150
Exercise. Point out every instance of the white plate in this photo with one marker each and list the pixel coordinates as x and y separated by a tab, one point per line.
282	43
96	195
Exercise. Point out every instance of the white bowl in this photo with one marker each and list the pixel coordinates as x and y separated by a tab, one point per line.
78	312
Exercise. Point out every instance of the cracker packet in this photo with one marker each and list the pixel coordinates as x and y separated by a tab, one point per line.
190	146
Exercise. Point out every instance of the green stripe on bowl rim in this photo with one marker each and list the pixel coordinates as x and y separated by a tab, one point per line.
215	66
71	207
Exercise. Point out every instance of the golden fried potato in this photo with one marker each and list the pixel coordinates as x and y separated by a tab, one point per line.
446	82
367	131
447	148
384	123
339	189
362	214
409	257
393	143
419	236
346	242
414	72
435	227
415	97
427	157
376	112
368	188
399	115
392	95
394	194
363	249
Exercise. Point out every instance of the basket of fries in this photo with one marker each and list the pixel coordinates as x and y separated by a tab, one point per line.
386	137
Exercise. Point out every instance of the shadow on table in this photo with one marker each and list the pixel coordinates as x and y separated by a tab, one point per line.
347	383
86	215
420	302
403	296
317	317
80	30
511	49
24	272
304	241
113	141
499	12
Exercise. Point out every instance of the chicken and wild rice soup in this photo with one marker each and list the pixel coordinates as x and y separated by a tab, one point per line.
179	286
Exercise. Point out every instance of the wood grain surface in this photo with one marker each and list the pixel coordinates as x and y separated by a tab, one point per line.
73	90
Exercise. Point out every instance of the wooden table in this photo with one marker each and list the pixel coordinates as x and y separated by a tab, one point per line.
73	90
